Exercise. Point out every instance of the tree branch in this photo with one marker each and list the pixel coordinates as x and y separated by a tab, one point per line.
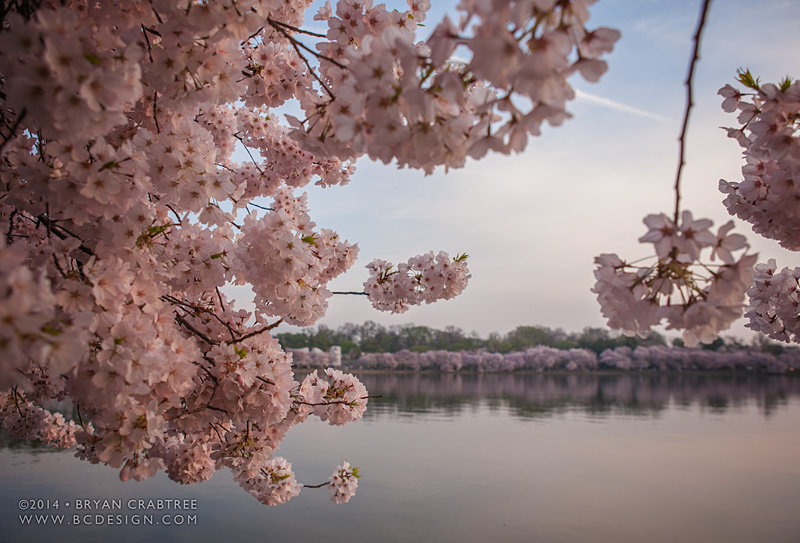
689	103
13	131
256	332
180	320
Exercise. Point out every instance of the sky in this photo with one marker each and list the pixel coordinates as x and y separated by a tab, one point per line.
533	222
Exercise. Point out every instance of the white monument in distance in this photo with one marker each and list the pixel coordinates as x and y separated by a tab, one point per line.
336	356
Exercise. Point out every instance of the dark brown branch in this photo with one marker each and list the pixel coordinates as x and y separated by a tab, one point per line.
199	309
295	29
297	45
246	148
256	332
13	131
253	35
261	207
689	103
61	232
180	222
10	233
155	111
336	402
219	297
180	320
351	292
149	47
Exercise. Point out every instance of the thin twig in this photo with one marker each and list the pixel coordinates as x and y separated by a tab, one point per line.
261	207
13	131
246	148
253	35
689	103
351	292
10	233
256	332
180	221
199	309
155	111
51	227
194	330
297	45
149	47
219	297
295	29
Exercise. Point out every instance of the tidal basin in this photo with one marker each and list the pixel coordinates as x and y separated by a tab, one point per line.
588	457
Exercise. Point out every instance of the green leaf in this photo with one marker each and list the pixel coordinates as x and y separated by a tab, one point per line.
746	78
92	58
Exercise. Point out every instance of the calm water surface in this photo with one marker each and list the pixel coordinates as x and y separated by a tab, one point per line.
484	458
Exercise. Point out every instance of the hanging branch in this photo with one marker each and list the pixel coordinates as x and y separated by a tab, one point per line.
689	103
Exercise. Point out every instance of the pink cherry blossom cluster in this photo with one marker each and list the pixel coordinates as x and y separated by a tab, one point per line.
483	84
83	81
700	299
769	115
119	204
32	423
289	263
774	307
424	278
766	196
275	484
124	213
337	397
343	482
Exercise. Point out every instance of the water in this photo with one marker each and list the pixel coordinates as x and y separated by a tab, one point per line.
494	457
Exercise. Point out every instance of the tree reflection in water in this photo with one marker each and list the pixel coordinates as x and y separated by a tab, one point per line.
538	395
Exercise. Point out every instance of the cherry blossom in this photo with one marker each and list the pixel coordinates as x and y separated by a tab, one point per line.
125	213
700	299
343	482
768	114
424	278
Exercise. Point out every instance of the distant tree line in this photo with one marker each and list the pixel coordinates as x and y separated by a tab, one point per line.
371	337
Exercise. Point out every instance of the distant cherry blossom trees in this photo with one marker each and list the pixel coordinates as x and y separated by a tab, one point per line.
123	212
544	359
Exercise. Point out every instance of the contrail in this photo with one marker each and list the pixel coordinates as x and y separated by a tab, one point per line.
621	107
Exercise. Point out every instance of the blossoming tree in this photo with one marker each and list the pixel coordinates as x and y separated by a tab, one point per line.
696	281
124	214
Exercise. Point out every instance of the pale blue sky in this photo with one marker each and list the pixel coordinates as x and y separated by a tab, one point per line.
532	223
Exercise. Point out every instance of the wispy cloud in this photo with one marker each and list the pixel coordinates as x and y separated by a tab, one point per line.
620	107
